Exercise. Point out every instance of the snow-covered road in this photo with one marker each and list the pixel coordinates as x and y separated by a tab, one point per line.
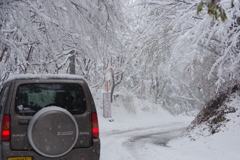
133	144
137	134
157	138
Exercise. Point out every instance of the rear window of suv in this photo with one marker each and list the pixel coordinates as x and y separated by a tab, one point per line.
30	98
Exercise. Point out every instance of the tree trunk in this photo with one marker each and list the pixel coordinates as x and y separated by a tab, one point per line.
72	64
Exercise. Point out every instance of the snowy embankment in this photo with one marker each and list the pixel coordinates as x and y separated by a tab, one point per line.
126	134
216	137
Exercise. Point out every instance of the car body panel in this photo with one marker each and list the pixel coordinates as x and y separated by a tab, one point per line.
19	145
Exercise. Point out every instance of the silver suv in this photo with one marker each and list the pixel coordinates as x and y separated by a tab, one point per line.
48	117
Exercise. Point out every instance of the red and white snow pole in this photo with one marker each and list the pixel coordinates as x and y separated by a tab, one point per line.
107	76
107	95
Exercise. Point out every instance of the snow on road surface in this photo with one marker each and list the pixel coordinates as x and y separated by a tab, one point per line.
132	144
133	131
140	134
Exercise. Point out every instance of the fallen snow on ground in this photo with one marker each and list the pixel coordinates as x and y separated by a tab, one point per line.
130	133
220	146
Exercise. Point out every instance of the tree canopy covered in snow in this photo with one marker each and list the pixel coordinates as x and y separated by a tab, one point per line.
159	50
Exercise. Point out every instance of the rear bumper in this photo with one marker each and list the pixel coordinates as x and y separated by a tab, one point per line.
91	153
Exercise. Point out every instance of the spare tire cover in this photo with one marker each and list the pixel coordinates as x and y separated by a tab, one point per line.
52	132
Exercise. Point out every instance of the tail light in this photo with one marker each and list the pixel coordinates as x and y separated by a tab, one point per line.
95	129
6	132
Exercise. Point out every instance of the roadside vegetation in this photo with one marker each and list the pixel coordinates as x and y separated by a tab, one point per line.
176	54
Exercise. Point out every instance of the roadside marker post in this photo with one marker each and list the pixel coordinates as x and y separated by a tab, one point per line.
107	105
107	95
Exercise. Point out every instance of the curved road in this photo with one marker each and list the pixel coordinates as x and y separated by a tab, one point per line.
121	145
158	138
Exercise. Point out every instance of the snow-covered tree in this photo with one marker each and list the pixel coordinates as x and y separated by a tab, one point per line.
40	36
171	52
181	58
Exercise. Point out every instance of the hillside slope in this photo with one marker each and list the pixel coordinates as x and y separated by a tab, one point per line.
220	115
215	130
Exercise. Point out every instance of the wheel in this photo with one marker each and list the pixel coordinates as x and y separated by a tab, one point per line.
52	132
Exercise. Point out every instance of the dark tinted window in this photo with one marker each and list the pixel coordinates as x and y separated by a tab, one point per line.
30	98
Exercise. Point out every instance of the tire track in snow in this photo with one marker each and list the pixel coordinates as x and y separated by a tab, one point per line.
120	145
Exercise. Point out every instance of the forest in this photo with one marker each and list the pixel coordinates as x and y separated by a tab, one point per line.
175	53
